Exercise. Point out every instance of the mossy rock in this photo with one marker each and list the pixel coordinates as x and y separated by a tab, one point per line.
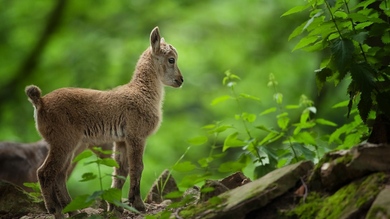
350	201
15	202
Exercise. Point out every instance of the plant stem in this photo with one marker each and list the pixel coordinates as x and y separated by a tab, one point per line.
100	175
354	30
240	111
294	152
333	19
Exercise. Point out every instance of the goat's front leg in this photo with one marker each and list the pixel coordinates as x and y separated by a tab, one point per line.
135	150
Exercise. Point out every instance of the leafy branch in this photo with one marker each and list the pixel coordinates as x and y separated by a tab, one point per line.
350	32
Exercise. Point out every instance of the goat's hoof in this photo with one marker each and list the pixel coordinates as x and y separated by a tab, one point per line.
140	206
114	208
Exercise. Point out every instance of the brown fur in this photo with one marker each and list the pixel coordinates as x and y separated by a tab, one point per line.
19	161
126	115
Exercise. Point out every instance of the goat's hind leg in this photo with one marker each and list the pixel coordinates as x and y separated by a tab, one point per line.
120	157
52	178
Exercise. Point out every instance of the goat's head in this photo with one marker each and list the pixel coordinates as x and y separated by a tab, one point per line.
166	56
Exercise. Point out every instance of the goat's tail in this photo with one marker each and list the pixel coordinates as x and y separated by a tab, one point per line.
34	95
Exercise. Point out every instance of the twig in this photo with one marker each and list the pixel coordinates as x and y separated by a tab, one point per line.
306	190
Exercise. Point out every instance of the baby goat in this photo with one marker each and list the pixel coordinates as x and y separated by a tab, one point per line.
126	115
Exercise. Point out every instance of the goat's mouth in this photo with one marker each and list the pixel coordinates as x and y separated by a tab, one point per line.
178	82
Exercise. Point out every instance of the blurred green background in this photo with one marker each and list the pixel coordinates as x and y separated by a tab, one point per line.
95	44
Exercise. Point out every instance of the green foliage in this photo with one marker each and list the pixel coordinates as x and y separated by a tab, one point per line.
36	191
357	38
111	195
247	142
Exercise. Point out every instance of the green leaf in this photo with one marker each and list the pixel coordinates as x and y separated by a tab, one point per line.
112	194
101	151
283	120
204	162
298	30
262	170
386	37
108	162
95	196
363	4
364	105
341	104
341	14
305	116
214	201
363	25
303	149
199	140
385	7
305	42
174	194
248	117
34	186
361	37
325	122
218	128
342	54
271	137
207	189
88	176
185	166
305	138
125	206
363	75
209	126
231	166
232	141
221	99
296	9
293	106
267	111
278	97
85	154
262	127
345	129
77	203
321	76
314	21
250	97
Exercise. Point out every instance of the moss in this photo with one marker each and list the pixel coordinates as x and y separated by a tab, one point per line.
309	209
205	207
345	201
378	212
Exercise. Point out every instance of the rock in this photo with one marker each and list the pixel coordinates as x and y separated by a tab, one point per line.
212	188
351	201
238	202
380	209
192	195
339	168
235	180
163	185
15	202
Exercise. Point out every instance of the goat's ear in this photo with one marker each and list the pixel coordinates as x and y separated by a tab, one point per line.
155	39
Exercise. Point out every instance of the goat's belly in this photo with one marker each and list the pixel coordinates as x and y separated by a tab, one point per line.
103	134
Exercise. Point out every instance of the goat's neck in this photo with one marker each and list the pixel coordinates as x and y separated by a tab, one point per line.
146	79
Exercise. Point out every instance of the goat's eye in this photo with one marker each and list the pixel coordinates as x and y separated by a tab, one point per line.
171	60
